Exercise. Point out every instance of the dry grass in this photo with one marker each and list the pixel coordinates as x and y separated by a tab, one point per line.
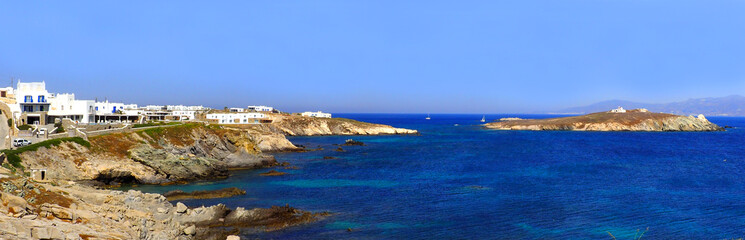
117	144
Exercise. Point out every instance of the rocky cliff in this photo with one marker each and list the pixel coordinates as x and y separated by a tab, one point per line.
633	120
158	155
294	125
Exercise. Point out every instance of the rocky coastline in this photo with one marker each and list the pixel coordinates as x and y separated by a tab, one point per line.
293	125
632	120
62	207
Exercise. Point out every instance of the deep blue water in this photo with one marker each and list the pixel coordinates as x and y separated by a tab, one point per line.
464	182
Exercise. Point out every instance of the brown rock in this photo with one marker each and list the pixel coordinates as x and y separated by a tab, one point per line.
220	193
273	173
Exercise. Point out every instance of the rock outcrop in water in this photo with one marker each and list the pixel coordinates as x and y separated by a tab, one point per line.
294	125
632	120
206	194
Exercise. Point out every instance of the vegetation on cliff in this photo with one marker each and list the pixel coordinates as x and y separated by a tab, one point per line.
151	155
14	159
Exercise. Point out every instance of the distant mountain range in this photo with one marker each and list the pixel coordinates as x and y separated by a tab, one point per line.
723	106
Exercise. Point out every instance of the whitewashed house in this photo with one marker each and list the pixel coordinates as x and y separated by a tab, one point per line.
32	103
106	107
235	118
65	106
237	110
318	114
108	112
260	108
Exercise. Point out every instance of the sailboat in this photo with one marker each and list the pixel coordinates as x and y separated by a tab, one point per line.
483	118
428	118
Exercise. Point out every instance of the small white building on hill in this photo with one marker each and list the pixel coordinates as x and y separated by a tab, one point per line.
618	110
260	108
318	114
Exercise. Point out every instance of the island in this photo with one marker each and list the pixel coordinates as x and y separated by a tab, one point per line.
614	120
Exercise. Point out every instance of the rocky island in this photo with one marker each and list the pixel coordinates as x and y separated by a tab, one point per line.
614	120
67	201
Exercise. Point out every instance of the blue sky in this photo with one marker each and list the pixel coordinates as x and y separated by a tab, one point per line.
378	56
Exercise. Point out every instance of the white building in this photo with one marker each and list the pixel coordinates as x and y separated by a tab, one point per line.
66	106
6	91
237	110
181	108
235	118
618	110
155	108
32	102
260	108
318	114
106	107
184	115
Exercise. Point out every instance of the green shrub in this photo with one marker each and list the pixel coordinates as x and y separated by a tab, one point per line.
10	122
13	154
60	128
24	127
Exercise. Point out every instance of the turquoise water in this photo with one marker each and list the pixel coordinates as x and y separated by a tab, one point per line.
464	182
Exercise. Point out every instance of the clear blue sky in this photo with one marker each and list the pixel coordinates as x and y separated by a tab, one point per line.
378	56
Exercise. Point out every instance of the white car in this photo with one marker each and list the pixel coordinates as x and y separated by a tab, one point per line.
20	142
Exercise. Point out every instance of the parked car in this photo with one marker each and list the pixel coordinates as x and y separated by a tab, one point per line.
20	142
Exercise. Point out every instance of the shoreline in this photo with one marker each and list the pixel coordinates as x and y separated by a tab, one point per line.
181	154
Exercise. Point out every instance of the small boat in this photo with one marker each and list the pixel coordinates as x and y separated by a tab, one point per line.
483	119
456	125
428	118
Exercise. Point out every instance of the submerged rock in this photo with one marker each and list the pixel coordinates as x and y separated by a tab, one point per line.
272	173
207	194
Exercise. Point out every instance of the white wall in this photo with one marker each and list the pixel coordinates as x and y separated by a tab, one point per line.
230	118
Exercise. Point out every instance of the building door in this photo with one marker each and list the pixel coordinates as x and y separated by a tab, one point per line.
114	110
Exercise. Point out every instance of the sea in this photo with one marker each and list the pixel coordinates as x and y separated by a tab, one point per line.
457	180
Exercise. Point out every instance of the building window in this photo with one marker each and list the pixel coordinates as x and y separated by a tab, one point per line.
41	108
41	99
28	99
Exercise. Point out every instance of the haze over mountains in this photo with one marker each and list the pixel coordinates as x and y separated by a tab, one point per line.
733	105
